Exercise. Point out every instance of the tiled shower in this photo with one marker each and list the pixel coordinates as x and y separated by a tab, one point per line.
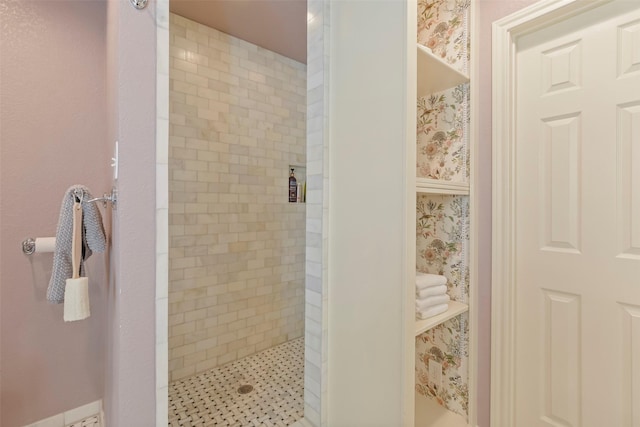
237	246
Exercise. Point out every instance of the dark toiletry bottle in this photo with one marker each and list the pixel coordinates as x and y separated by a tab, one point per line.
293	187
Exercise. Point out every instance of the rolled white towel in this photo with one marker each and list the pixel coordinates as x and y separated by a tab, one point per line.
432	311
424	280
432	291
423	303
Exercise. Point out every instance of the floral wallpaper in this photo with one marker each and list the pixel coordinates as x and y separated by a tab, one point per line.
442	226
442	229
442	135
447	344
443	118
443	27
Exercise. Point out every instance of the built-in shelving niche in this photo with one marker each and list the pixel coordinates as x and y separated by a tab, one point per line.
442	242
442	247
442	209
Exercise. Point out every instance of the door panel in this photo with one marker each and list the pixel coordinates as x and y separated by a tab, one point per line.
578	221
628	193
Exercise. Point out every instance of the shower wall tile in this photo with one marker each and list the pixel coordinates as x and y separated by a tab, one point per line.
237	120
318	45
162	210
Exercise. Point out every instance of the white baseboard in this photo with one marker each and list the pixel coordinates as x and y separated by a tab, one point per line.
73	416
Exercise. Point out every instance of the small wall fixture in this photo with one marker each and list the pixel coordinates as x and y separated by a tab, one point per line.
139	4
107	197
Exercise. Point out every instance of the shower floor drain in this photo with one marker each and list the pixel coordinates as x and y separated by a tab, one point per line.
244	389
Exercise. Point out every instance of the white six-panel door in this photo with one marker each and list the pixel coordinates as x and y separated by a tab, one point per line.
577	221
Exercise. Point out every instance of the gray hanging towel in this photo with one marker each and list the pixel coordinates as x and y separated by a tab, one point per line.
93	239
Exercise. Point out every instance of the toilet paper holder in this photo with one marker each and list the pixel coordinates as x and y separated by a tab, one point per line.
29	245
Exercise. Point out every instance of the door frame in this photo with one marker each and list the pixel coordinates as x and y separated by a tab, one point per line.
506	32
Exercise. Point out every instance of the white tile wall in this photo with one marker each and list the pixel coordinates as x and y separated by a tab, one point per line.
236	246
162	212
315	370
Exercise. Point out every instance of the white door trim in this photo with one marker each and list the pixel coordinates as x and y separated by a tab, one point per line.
505	34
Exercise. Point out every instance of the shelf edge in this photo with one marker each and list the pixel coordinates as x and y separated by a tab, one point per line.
434	74
426	185
455	308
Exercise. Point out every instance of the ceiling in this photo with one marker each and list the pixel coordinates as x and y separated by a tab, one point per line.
277	25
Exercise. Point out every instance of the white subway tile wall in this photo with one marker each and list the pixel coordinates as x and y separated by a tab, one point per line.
162	211
236	245
317	261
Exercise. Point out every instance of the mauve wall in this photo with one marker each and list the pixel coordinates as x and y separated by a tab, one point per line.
52	135
488	11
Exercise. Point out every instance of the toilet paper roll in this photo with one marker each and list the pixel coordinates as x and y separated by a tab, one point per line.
45	244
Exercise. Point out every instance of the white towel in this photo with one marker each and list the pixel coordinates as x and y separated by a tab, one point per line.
428	280
432	311
423	303
431	292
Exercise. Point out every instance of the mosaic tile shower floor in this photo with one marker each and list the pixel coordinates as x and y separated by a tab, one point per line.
212	399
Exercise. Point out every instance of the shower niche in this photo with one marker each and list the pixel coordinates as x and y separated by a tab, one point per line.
297	188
